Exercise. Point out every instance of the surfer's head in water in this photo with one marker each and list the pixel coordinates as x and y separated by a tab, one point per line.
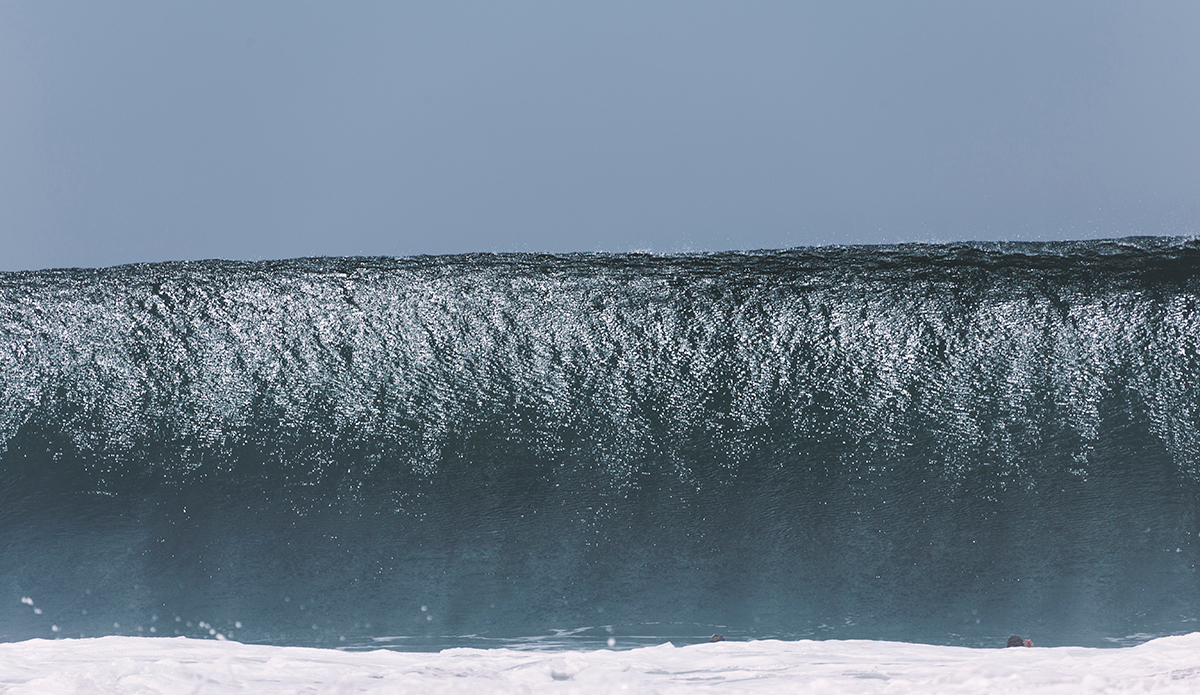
1015	641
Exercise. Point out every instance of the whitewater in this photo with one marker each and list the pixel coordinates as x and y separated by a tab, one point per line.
183	665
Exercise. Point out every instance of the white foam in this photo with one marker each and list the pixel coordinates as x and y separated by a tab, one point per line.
181	665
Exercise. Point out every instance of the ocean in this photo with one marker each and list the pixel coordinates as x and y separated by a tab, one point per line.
936	444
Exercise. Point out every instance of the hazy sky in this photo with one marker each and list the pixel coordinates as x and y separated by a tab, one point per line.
145	131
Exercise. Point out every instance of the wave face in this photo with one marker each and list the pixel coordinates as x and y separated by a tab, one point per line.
945	444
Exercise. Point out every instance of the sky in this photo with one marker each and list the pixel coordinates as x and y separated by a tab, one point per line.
150	131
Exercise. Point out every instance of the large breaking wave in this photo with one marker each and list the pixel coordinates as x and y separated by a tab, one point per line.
925	443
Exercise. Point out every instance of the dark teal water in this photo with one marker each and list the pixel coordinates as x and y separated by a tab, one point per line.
944	444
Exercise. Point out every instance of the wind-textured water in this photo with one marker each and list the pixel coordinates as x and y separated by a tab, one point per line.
930	443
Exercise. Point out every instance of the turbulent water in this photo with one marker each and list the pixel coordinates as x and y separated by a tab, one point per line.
944	444
138	665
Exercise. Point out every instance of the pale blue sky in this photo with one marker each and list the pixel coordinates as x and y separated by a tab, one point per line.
147	131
